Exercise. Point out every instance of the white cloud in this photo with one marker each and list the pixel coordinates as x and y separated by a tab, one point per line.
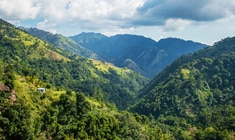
118	16
175	24
120	13
102	11
45	25
19	9
87	13
155	12
116	30
116	10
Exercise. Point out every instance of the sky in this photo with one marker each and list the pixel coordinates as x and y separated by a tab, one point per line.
205	21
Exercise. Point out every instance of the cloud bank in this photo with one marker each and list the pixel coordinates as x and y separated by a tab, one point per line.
116	14
157	12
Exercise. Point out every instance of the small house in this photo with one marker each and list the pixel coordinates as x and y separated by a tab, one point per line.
42	90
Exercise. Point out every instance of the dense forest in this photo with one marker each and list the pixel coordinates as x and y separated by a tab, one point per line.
195	92
88	99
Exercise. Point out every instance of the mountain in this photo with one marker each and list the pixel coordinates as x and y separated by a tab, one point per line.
88	39
148	56
61	42
195	92
30	56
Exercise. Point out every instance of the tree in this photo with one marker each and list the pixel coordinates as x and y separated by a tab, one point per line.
16	122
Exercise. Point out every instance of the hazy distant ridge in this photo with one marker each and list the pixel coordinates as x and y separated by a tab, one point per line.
147	56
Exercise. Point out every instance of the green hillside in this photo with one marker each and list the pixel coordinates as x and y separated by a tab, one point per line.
195	95
30	56
58	114
17	45
62	42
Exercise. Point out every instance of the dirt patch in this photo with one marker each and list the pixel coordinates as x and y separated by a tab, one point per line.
4	87
12	96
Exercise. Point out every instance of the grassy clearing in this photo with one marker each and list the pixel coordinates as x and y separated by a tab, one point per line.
185	73
105	66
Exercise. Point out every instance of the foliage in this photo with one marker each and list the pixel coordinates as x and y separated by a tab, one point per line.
195	91
72	116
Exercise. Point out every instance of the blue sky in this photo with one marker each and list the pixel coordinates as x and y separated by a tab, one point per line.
205	21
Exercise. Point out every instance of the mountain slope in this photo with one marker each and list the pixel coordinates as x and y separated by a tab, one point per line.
62	42
32	57
18	45
195	91
148	57
71	116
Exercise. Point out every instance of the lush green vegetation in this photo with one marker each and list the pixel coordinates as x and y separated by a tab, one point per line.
28	114
196	93
191	99
71	116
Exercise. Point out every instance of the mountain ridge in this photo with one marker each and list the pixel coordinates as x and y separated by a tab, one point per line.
150	56
62	42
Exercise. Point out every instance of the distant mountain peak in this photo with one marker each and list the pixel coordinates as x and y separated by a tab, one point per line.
147	54
174	39
87	37
91	33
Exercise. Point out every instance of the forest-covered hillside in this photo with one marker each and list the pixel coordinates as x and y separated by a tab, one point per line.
195	92
30	56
